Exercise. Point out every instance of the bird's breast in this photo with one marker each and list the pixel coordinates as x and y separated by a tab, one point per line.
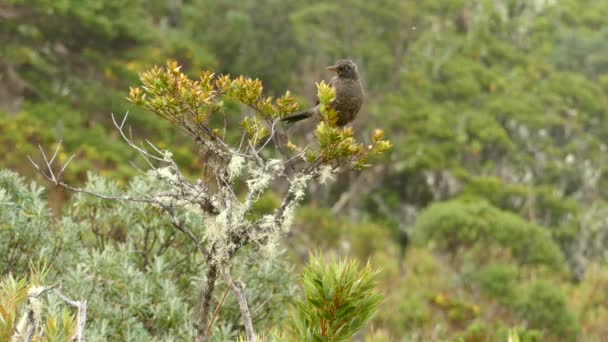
349	91
348	101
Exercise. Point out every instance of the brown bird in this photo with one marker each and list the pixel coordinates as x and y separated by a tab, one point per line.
349	95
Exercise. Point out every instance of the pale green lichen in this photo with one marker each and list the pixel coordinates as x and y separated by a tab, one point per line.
35	301
288	218
235	167
219	228
298	186
276	166
326	174
36	306
259	180
167	155
165	173
232	214
267	235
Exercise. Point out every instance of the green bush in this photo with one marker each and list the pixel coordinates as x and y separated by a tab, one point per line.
27	232
543	306
458	224
498	282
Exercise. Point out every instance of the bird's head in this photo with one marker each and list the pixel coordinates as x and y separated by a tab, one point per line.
345	68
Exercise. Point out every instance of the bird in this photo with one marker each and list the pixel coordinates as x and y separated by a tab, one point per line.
349	95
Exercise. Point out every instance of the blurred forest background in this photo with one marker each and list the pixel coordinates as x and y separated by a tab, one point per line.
489	213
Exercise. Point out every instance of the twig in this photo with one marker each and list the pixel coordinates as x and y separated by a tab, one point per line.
64	166
27	329
272	132
261	306
58	182
179	225
81	318
217	309
237	289
130	142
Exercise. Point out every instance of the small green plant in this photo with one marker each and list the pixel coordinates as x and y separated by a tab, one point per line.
339	299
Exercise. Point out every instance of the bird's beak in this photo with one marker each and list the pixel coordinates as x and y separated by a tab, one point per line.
333	68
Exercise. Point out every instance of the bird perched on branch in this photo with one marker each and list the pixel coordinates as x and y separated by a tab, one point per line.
349	95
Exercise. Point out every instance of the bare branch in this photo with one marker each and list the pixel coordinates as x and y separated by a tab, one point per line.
48	165
154	147
180	225
81	317
238	290
65	165
27	325
137	168
280	213
243	136
122	124
26	328
54	153
272	132
84	191
312	170
141	151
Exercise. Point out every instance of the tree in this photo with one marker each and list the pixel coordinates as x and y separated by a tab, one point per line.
210	211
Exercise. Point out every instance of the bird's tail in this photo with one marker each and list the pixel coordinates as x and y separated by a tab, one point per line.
298	116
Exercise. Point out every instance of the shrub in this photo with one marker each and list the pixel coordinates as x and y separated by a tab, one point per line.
544	308
457	224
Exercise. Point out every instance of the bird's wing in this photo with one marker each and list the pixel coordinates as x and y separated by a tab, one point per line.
332	83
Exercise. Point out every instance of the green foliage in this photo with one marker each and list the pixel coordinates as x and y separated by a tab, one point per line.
498	282
125	248
26	230
524	335
260	30
339	299
44	39
174	97
544	307
457	225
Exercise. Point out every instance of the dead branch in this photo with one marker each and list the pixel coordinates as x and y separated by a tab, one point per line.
81	317
239	291
57	181
26	328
